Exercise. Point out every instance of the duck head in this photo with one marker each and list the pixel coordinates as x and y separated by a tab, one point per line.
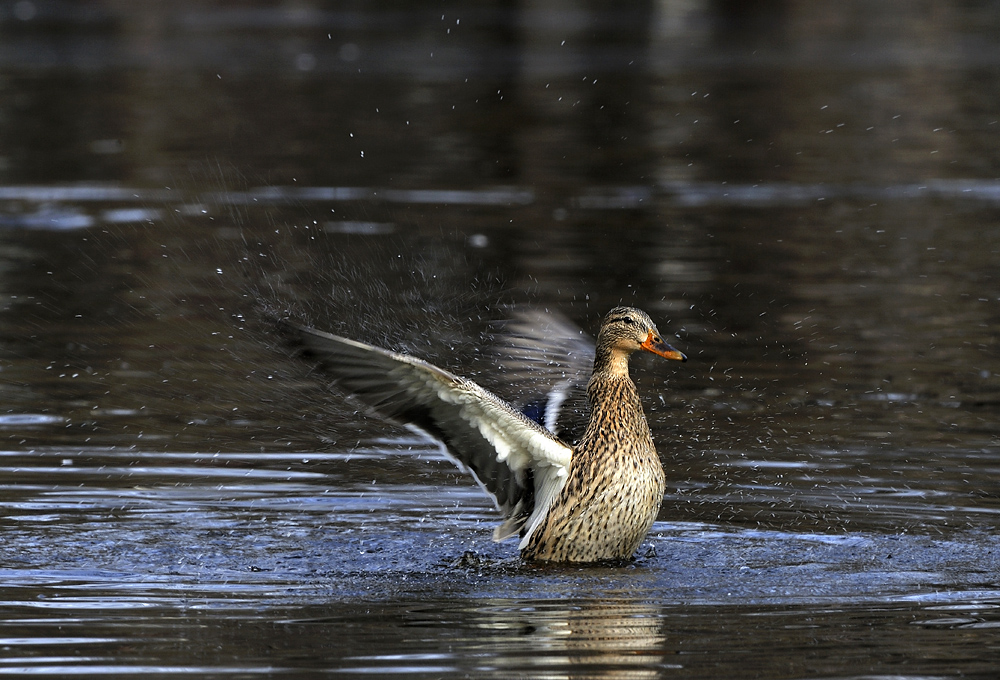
627	329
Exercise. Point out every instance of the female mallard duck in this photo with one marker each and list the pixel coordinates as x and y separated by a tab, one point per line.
585	503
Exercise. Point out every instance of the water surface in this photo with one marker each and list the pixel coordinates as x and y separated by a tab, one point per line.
804	199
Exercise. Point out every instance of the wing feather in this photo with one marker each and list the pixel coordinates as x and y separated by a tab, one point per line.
549	360
518	461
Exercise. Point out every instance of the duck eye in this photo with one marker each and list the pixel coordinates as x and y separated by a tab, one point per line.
630	320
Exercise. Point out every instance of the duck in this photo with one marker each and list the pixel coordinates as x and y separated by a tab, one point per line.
589	499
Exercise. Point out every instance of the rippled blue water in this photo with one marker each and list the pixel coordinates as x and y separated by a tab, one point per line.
803	196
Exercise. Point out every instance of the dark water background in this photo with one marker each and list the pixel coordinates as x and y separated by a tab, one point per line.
804	195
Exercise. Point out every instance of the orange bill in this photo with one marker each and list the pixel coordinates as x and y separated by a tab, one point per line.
654	344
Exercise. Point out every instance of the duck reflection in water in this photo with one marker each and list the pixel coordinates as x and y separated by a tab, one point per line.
609	638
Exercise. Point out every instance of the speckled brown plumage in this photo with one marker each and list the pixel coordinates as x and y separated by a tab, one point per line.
590	502
615	482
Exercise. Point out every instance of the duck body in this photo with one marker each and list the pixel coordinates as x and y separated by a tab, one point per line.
589	502
614	487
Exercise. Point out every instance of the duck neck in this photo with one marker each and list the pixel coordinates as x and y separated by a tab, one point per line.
611	362
616	417
611	385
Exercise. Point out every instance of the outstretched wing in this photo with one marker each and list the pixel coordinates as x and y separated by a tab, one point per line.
548	360
519	462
